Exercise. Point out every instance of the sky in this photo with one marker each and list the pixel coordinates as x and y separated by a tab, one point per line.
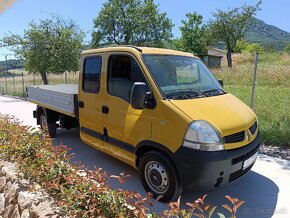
16	18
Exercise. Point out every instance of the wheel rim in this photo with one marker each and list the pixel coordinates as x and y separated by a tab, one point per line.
43	123
156	177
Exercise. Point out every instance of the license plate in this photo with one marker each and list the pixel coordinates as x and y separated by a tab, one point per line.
250	161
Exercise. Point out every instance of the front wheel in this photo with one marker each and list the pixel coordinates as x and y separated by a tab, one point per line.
158	176
47	127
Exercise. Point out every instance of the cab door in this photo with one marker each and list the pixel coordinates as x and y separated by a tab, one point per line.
91	101
124	126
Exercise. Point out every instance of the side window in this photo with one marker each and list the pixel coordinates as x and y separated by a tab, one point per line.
123	72
92	74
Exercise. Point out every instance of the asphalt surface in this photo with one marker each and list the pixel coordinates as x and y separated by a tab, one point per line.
265	189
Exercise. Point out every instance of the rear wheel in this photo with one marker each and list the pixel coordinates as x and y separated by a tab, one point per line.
47	127
158	176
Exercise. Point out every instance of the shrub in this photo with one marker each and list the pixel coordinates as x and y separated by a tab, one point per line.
79	191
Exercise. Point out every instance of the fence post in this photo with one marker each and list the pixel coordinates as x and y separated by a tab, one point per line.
14	83
33	78
6	74
254	80
23	91
6	89
65	78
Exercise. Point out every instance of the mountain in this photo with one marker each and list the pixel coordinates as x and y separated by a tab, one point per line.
267	35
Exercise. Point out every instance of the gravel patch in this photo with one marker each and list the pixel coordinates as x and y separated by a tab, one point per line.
275	151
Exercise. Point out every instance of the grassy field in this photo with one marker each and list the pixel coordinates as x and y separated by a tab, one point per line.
272	93
16	84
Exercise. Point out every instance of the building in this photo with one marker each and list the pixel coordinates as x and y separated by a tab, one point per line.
217	52
214	57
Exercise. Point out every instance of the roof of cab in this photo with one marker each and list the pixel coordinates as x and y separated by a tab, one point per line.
137	50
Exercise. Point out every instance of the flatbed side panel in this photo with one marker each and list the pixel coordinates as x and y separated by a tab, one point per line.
52	99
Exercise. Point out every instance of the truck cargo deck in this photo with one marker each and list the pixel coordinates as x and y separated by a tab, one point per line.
61	98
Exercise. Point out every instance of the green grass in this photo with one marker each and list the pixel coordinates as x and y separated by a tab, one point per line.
273	112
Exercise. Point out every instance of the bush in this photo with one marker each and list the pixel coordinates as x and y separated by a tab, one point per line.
79	191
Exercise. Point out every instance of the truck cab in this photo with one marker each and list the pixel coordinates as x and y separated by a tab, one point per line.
162	112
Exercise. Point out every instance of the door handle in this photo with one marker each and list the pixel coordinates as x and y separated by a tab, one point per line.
81	104
105	109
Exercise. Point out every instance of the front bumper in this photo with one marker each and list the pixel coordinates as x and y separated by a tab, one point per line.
208	170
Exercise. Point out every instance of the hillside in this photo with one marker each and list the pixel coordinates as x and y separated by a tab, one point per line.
267	35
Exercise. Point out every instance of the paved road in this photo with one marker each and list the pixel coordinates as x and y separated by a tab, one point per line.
266	188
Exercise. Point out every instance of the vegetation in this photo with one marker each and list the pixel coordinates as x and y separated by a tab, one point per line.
83	192
268	36
243	46
53	45
136	22
193	34
287	49
229	26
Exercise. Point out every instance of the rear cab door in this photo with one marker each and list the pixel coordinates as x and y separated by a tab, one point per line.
91	99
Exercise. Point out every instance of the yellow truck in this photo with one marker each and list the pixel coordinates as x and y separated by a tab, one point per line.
160	111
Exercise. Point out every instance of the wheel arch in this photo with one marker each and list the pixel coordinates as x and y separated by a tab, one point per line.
51	115
146	146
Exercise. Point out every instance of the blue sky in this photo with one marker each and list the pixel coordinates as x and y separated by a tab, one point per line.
17	18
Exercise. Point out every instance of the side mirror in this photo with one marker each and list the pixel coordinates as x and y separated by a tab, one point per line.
138	95
221	82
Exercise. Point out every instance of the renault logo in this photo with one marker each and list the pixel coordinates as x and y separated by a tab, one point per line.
248	135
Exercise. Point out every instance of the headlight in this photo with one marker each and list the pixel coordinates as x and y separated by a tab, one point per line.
202	136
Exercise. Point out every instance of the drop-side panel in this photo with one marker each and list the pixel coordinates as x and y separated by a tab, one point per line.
61	98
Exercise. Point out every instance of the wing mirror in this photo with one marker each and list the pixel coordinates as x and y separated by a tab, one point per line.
138	95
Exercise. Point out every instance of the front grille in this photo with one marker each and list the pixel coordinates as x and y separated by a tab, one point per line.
253	128
245	156
237	137
239	173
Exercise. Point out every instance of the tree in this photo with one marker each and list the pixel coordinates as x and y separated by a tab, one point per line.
50	46
241	45
254	47
193	34
136	22
229	26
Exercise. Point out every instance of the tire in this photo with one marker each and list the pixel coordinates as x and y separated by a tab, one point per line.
158	176
47	127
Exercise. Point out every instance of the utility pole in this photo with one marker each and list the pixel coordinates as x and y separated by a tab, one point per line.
6	73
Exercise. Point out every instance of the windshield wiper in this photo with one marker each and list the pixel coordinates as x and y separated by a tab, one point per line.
213	92
187	94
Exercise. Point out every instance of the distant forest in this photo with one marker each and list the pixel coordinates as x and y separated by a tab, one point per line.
11	64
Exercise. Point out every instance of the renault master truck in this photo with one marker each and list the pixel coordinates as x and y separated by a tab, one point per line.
160	111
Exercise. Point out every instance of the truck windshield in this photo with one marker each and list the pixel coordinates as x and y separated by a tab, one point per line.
181	77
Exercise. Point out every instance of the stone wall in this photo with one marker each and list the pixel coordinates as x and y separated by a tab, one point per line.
20	198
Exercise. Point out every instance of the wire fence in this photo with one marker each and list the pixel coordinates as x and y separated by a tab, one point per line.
14	82
269	94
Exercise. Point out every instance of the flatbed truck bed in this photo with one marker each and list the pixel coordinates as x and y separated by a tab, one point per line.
62	98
